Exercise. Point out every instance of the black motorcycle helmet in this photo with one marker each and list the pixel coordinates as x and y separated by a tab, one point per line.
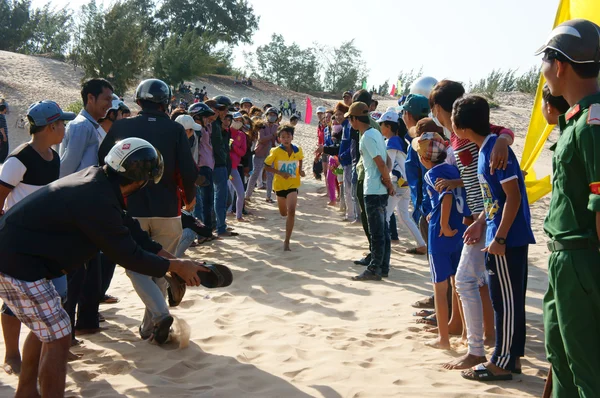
153	90
223	101
135	159
200	109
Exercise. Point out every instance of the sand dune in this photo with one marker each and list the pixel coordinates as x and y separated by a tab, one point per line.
294	324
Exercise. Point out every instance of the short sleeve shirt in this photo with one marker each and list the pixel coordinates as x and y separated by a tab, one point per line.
25	171
372	144
494	198
459	210
284	162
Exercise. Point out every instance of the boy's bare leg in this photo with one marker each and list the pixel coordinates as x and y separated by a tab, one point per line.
455	326
53	367
441	311
29	373
11	329
489	331
291	201
282	205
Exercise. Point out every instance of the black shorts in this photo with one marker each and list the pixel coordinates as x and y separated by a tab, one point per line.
285	192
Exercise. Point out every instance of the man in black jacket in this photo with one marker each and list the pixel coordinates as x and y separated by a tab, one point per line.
70	220
158	207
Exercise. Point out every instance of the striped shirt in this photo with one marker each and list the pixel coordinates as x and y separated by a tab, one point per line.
467	155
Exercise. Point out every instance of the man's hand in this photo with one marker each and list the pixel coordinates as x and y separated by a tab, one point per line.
188	270
285	175
302	173
447	231
496	249
442	185
190	206
389	186
473	233
499	158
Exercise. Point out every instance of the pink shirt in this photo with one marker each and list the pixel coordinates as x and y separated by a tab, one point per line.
238	147
263	148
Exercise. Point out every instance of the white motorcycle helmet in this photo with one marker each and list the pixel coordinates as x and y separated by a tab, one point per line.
423	86
136	160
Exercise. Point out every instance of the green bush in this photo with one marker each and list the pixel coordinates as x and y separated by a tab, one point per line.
528	82
496	81
75	107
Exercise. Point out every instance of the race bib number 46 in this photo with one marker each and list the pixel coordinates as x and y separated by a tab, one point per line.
288	167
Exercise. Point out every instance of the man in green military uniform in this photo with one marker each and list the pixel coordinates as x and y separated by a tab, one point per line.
571	65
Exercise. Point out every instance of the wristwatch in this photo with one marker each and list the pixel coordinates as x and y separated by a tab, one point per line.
500	241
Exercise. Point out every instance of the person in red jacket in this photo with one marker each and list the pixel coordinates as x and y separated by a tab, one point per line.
238	150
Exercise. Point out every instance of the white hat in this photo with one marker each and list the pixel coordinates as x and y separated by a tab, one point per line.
389	116
188	122
391	109
321	109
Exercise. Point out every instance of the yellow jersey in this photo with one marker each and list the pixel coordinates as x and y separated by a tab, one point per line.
279	159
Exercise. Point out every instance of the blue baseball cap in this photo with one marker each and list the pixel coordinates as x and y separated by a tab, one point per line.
417	105
45	112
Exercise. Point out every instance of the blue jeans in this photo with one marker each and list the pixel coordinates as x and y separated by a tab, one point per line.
220	178
258	165
375	207
238	185
205	198
152	291
187	237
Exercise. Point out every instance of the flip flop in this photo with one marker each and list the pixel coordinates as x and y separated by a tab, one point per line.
413	250
424	313
429	320
481	373
220	276
108	299
426	303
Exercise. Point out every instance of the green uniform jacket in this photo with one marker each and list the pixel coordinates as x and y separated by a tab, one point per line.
576	165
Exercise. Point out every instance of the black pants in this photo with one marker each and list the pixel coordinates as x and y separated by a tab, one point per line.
83	295
107	270
363	211
3	150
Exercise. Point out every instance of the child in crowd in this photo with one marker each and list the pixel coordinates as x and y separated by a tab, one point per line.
508	236
553	107
28	168
445	226
285	161
393	128
332	180
238	150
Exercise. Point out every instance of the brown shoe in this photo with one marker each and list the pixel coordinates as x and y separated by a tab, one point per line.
176	289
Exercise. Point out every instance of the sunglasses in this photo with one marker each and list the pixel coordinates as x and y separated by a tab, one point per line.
551	55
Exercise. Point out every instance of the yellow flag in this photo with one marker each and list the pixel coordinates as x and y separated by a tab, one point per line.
538	129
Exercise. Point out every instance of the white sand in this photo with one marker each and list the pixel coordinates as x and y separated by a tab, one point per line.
293	324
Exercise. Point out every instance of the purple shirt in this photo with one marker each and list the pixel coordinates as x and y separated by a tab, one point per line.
263	148
205	150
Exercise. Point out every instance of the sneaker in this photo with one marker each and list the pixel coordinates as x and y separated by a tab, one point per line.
367	275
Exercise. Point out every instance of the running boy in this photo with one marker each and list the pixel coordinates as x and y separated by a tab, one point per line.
445	226
508	236
285	161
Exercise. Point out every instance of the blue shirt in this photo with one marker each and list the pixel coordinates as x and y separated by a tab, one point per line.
414	176
459	210
494	198
345	154
372	145
79	148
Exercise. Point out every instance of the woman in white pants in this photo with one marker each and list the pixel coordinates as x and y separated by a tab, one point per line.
391	127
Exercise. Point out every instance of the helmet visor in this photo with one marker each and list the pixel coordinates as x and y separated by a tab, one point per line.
158	171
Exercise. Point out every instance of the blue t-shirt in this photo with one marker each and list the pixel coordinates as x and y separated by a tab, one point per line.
494	198
414	176
372	145
459	210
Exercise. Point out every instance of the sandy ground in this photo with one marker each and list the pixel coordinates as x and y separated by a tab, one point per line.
292	324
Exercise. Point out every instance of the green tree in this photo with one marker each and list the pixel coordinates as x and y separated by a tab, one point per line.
15	26
345	67
406	79
112	44
227	21
304	70
178	59
384	89
273	60
528	82
50	31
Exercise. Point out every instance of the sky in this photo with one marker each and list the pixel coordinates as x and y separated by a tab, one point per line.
457	39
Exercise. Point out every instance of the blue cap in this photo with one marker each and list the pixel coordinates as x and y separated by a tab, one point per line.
46	112
417	105
237	115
